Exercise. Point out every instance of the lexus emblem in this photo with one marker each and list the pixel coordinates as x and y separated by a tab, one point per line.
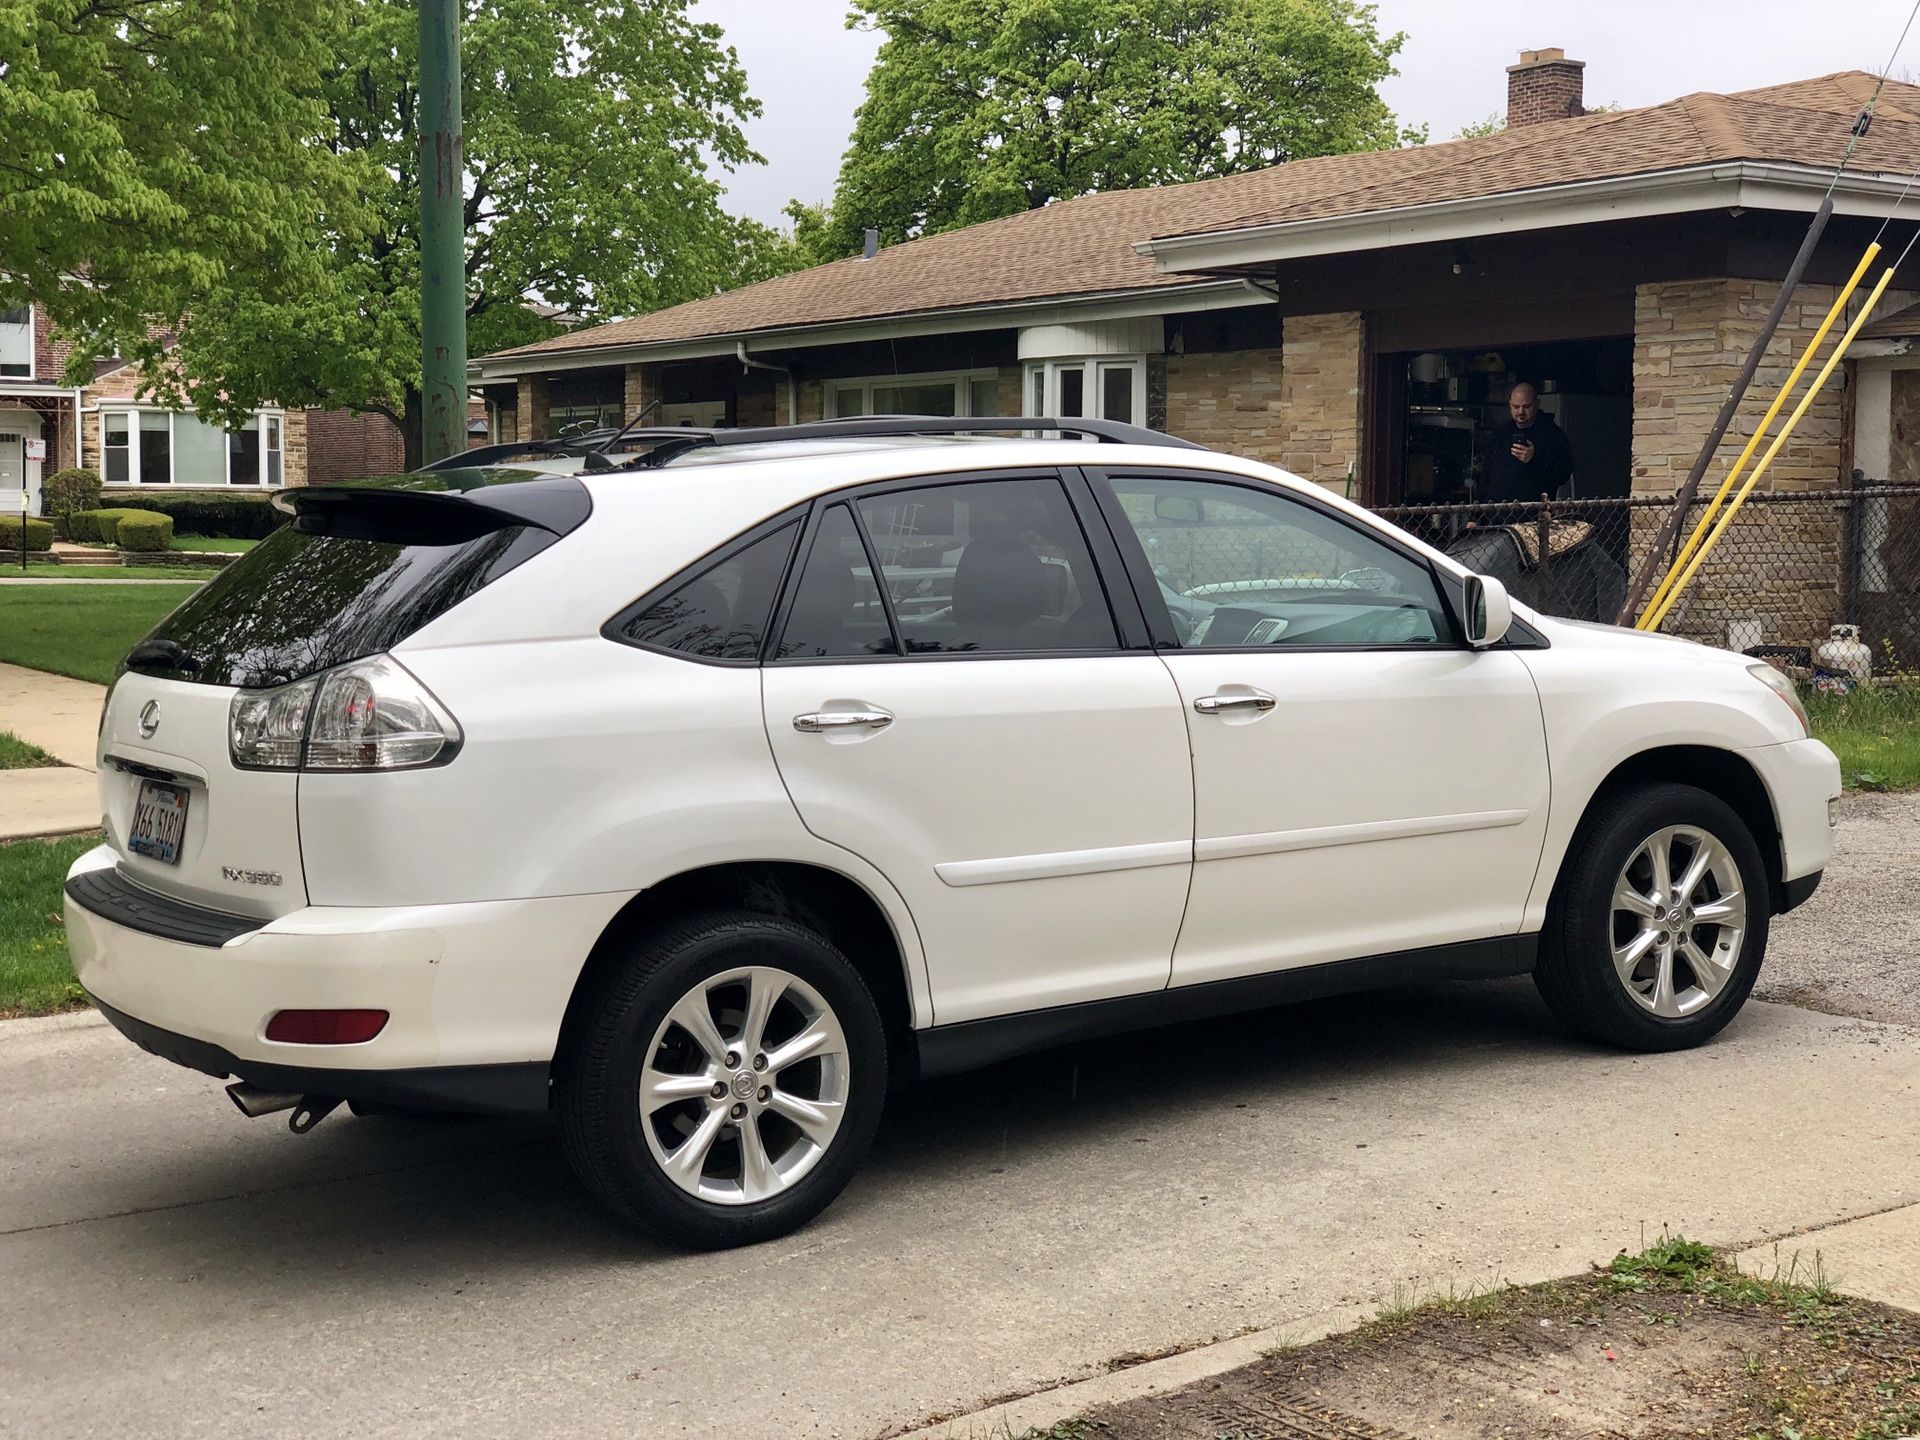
149	719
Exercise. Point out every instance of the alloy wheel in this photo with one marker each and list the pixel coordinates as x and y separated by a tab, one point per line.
1677	920
744	1086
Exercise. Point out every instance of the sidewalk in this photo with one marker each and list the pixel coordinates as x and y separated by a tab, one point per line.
62	717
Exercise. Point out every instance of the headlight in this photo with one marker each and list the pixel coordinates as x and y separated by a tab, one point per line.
1782	686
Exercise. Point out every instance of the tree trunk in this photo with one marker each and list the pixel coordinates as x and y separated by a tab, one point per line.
413	432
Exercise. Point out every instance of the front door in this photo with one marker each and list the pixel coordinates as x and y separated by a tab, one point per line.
978	734
13	474
1364	784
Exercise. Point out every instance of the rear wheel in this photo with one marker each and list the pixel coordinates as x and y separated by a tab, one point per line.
1659	925
727	1080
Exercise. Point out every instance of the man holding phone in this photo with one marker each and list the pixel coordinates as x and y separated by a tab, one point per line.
1530	455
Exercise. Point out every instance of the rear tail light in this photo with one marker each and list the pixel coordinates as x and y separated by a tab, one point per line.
367	715
326	1027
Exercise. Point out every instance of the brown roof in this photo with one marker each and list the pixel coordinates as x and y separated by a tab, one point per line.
1085	246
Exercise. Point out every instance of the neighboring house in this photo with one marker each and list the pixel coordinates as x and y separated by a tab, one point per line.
1357	319
105	426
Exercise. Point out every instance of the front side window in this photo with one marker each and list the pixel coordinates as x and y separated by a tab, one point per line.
721	613
988	566
1238	565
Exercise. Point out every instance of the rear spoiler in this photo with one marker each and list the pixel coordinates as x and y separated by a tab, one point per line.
426	510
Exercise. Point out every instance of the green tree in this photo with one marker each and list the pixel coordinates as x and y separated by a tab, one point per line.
977	109
160	149
588	126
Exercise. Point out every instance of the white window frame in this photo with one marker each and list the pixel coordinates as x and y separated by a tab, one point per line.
1090	368
961	380
263	419
33	347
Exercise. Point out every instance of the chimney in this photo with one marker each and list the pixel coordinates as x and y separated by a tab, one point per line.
1545	85
871	245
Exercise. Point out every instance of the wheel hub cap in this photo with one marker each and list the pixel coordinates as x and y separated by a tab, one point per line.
735	1134
1677	921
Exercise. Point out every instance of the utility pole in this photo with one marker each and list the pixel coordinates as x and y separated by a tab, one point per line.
443	257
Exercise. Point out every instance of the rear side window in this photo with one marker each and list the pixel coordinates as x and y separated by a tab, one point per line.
721	613
298	603
836	610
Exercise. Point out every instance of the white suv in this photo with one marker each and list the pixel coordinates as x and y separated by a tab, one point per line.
700	799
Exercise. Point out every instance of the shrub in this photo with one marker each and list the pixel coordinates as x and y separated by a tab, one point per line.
39	533
66	491
144	531
99	526
248	516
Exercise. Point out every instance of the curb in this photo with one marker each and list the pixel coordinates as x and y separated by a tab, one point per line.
1045	1408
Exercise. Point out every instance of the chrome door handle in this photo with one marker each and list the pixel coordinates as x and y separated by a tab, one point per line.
1252	700
825	720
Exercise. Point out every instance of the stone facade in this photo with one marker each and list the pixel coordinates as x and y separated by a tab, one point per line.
1297	407
1778	564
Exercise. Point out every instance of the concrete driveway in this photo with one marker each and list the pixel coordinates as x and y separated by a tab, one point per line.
171	1268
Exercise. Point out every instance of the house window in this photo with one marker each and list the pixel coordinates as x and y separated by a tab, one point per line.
16	343
118	447
161	447
974	392
1090	389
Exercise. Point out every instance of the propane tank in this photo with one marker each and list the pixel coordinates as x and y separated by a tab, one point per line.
1844	650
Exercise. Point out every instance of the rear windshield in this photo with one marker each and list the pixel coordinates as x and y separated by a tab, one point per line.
297	603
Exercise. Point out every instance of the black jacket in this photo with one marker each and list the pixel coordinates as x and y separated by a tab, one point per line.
1507	480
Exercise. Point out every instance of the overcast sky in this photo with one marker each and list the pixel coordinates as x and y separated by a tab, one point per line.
810	72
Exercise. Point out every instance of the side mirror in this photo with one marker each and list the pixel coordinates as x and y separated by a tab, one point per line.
1177	509
1489	611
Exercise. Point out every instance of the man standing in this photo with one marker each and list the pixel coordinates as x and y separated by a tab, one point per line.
1530	455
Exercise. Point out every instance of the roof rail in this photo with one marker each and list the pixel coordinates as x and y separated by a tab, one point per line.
488	454
1110	432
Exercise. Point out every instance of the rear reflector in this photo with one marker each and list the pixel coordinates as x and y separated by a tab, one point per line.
326	1027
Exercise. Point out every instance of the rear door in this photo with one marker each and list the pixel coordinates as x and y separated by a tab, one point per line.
1364	783
991	734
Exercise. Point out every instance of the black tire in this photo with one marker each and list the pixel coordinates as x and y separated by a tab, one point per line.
1576	974
599	1077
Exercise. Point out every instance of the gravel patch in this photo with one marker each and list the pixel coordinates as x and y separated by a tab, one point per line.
1851	950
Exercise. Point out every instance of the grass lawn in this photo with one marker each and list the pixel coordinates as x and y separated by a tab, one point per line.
212	542
80	630
17	754
36	977
1876	733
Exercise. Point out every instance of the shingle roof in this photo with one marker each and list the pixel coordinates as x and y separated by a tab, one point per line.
1085	246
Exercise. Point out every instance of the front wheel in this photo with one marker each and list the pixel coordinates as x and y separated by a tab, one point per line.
1659	925
727	1081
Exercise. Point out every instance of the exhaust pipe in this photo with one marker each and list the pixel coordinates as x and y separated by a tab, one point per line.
254	1102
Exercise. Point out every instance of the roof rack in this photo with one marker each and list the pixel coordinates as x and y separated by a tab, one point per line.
488	454
1110	432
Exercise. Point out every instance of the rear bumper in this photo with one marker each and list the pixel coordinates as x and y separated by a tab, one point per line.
487	1089
468	989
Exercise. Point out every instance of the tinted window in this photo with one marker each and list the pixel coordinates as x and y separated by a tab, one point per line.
722	612
1238	565
297	603
995	565
836	607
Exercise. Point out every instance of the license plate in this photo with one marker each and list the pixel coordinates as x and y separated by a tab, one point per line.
159	822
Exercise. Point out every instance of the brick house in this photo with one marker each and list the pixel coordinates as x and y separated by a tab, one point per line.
1356	319
105	426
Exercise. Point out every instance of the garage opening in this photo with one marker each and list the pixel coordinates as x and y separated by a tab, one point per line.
1448	409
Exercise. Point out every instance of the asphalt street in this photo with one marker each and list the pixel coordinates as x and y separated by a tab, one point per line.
169	1267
